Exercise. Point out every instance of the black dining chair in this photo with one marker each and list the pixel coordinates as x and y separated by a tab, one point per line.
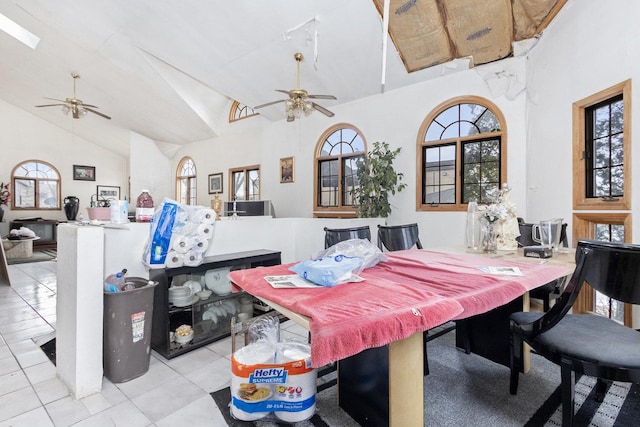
398	237
586	344
336	235
551	290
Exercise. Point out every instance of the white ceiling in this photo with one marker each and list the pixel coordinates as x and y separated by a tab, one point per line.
170	69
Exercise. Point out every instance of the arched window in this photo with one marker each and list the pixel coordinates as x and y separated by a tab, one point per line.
186	182
462	152
36	185
336	163
240	111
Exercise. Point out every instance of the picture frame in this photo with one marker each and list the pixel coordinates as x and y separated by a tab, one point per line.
215	183
286	170
107	192
84	173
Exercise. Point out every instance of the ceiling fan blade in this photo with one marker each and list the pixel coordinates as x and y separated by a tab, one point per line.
322	110
96	112
321	97
269	103
55	99
51	105
283	91
87	105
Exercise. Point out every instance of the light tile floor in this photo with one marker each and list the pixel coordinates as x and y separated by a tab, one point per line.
172	392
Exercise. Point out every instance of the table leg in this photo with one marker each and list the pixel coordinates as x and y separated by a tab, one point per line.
384	386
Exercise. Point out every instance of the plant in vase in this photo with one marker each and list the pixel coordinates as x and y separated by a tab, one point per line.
5	196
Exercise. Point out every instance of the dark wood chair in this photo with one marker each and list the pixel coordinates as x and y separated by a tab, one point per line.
551	290
587	344
336	235
398	237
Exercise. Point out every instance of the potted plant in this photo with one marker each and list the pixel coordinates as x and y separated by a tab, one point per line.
376	179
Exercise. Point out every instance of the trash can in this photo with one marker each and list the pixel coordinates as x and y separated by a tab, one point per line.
127	330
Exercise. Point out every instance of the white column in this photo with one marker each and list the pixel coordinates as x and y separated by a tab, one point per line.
79	308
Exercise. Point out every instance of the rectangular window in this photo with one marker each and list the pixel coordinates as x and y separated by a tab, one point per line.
601	150
439	174
480	170
604	154
245	183
349	179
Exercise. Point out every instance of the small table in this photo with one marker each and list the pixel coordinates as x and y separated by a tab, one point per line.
22	248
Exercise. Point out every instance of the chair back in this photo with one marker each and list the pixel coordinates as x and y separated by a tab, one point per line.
526	238
335	235
611	268
398	237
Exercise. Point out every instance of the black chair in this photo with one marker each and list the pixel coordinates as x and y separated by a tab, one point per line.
586	344
398	237
335	235
551	290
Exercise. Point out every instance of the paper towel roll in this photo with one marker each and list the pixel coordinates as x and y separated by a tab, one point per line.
174	259
192	258
204	216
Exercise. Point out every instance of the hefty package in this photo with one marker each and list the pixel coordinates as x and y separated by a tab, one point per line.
273	382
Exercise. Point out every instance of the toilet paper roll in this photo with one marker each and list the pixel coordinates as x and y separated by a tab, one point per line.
204	216
200	245
192	258
181	244
205	231
174	259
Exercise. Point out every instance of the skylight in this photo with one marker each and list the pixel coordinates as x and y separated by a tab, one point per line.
19	33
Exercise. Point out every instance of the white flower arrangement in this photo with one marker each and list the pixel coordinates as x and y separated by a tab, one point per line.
501	210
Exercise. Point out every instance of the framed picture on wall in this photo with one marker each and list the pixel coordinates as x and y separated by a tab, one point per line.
84	173
107	192
286	169
215	183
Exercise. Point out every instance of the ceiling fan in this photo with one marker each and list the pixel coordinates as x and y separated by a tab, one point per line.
75	106
299	99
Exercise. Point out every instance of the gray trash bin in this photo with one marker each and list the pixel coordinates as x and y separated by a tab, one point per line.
127	331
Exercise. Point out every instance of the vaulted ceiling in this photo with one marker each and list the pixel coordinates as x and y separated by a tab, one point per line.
169	70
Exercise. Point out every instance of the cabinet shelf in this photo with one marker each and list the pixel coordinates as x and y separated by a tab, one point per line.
210	319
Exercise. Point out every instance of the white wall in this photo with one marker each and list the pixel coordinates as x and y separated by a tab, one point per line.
590	46
150	170
394	117
25	137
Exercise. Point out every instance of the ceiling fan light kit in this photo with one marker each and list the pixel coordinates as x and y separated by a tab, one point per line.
75	106
299	103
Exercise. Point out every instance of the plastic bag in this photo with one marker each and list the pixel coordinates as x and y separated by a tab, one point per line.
328	271
361	248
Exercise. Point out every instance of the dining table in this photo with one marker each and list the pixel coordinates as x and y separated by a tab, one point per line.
374	328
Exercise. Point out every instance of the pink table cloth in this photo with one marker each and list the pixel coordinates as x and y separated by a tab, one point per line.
413	291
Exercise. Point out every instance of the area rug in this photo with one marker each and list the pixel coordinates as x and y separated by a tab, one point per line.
468	390
38	256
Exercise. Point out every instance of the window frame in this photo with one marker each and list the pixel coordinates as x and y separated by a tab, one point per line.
580	201
459	141
190	179
245	170
239	111
37	180
340	211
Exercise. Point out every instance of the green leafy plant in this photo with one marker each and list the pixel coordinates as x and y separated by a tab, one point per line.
376	180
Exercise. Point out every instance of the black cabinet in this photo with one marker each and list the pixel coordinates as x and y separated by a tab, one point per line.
209	318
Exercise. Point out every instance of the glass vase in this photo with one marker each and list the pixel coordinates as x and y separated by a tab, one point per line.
489	239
